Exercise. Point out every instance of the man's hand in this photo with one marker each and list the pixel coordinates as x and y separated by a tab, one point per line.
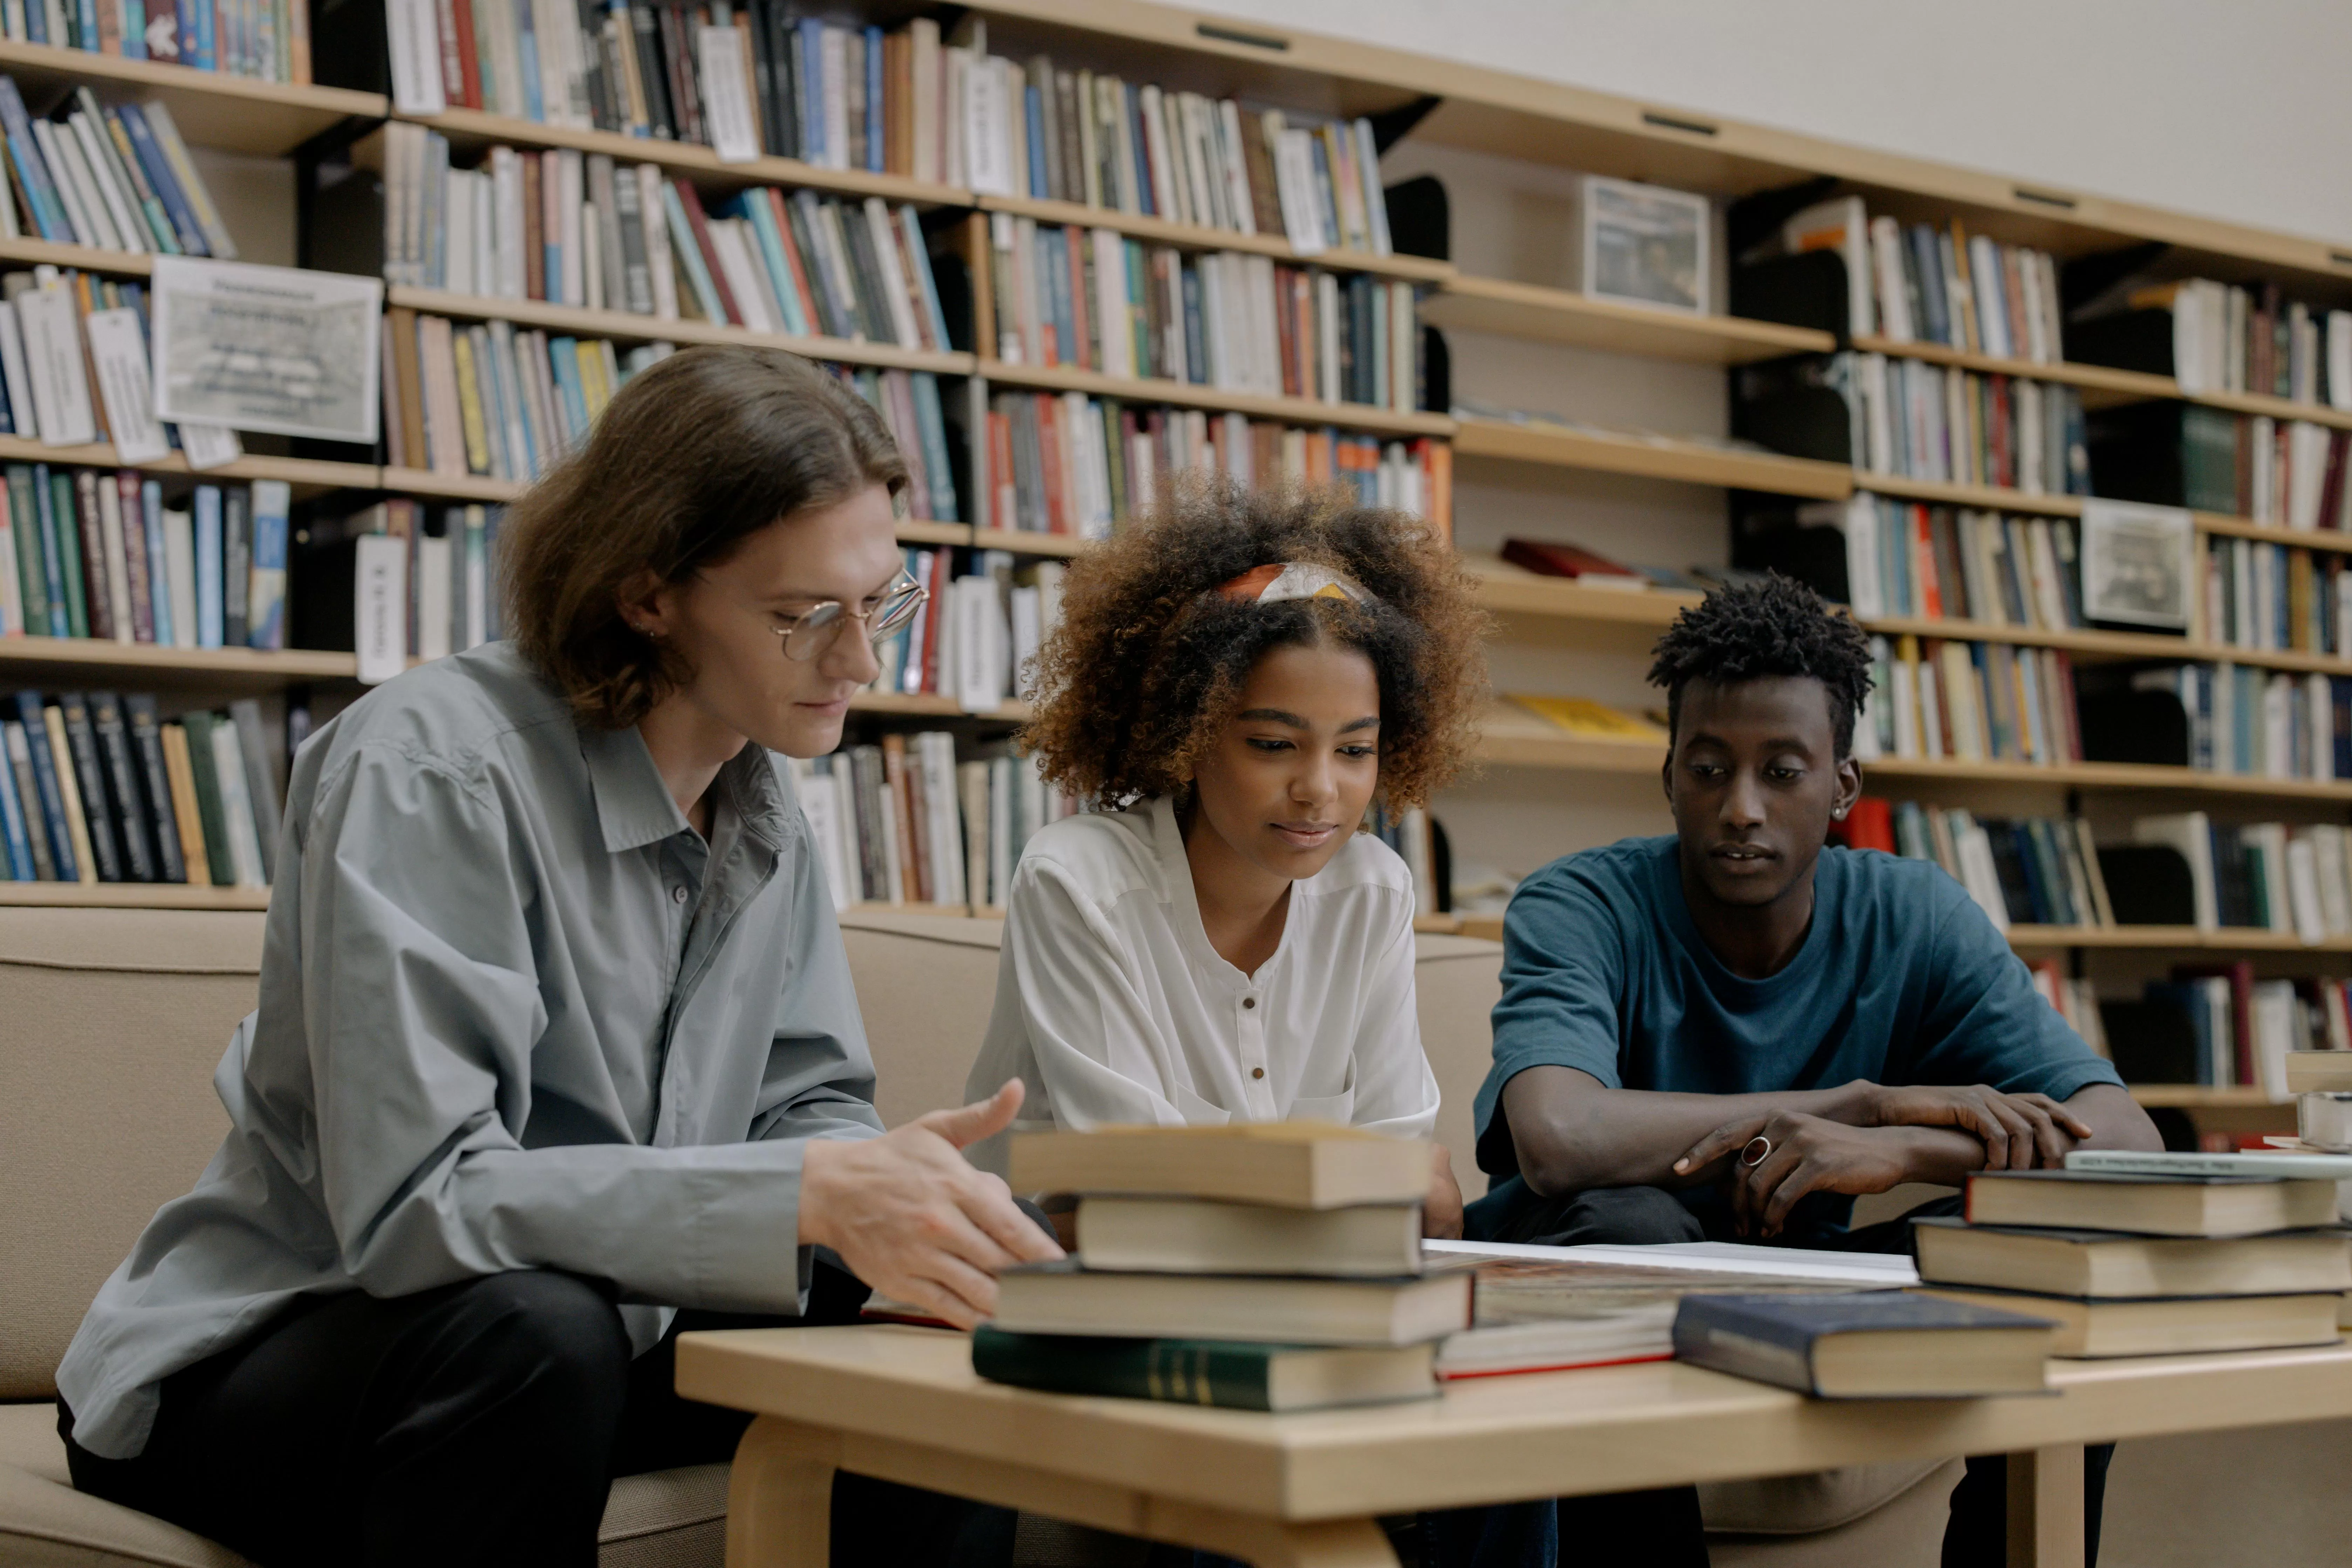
2019	1131
1811	1155
913	1219
1441	1211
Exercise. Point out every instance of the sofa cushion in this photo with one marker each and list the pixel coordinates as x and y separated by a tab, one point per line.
1800	1505
668	1519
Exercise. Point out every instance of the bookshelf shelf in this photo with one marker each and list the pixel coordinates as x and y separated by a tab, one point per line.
1194	237
211	109
1563	316
2164	939
307	475
1514	590
86	257
929	706
627	326
914	530
1988	498
2117	645
426	483
473	127
2121	384
1186	394
2273	532
1023	542
50	658
1660	458
2201	1097
2273	407
131	896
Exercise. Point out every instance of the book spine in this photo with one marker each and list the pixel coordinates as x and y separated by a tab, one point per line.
29	800
131	813
219	854
15	837
1705	1336
89	785
1227	1375
47	788
99	593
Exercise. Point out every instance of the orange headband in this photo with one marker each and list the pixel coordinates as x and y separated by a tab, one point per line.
1292	580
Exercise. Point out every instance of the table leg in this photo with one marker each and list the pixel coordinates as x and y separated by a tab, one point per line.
779	1503
2045	1508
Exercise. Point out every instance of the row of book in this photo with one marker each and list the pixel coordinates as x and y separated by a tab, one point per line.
1915	561
1923	421
1072	464
2262	596
398	582
1093	298
2263	876
903	822
2259	723
2224	337
2290	472
268	40
1931	285
575	228
1969	701
983	622
2218	1026
96	788
900	103
89	553
74	370
484	398
113	176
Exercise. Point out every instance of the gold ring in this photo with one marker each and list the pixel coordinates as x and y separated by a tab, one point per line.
1757	1150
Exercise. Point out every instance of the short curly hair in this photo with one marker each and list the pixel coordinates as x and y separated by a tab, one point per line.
1773	626
1147	663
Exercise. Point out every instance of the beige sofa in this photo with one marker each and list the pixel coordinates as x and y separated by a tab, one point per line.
112	1021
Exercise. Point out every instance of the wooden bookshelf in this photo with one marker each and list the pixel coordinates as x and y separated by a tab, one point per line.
2273	407
131	896
83	258
2328	539
211	109
915	530
1563	316
48	660
307	475
2115	645
426	485
1988	498
627	326
1514	590
928	705
2201	1097
2113	385
1187	395
472	128
2167	939
1195	236
1023	542
1657	456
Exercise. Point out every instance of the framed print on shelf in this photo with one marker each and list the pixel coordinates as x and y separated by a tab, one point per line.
1645	245
2139	566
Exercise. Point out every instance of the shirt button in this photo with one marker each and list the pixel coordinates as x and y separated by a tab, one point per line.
1249	1001
1258	1072
677	894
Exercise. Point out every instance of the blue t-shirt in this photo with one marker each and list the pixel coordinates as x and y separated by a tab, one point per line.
1901	980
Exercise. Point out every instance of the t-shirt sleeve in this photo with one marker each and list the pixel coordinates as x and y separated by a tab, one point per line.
1563	978
1982	1022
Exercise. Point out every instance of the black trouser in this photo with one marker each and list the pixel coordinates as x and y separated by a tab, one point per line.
479	1423
1977	1534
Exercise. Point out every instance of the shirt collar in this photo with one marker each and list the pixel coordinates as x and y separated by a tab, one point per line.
634	805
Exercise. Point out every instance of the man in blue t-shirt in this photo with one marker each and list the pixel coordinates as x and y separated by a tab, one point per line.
1731	1032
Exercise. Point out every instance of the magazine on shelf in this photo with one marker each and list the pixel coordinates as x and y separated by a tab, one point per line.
266	348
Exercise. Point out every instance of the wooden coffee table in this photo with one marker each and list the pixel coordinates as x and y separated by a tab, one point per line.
1304	1490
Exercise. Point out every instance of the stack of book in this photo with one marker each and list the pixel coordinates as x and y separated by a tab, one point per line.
1270	1266
2147	1255
2243	719
1933	562
87	554
2284	472
2221	337
114	177
2261	596
1076	465
1907	417
2260	876
2215	1024
95	788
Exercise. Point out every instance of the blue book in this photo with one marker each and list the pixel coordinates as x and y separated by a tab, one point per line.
134	29
32	170
812	47
1143	154
159	571
1034	111
44	780
1827	1345
203	59
265	602
37	24
210	604
563	360
85	15
697	274
1054	254
933	424
18	846
874	131
761	217
533	108
158	168
53	565
1196	344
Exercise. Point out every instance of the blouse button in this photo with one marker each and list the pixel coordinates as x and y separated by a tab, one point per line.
1258	1072
1249	1001
677	894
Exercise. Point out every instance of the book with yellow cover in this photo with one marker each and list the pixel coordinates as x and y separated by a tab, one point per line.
1594	721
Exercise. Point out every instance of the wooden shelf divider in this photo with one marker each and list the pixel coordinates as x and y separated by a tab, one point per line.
1563	316
2167	939
1196	237
1186	394
307	475
131	896
211	109
1660	458
35	252
1023	542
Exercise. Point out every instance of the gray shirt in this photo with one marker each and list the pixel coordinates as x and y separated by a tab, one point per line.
515	1013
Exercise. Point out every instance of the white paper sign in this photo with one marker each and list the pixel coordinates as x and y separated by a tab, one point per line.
726	96
209	445
380	607
117	346
266	348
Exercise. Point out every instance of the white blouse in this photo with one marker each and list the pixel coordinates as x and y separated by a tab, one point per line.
1112	1007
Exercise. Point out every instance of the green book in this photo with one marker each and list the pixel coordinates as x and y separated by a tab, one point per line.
32	574
1229	1373
218	858
65	538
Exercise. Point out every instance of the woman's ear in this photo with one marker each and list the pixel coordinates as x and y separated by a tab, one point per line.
645	604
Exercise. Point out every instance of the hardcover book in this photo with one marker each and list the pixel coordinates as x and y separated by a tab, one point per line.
1296	1165
1229	1373
1879	1345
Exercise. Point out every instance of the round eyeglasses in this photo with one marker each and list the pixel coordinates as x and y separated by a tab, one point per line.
809	634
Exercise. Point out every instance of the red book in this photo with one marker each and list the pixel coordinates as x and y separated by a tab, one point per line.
1869	825
534	243
1082	352
453	70
701	226
1004	495
1552	560
469	59
791	249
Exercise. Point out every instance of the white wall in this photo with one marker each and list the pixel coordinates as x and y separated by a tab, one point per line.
2233	108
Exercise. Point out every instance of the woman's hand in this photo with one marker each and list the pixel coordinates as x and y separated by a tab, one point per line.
913	1219
1441	1211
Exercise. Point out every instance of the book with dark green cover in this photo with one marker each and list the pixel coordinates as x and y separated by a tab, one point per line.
219	859
1229	1373
32	568
156	775
65	538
